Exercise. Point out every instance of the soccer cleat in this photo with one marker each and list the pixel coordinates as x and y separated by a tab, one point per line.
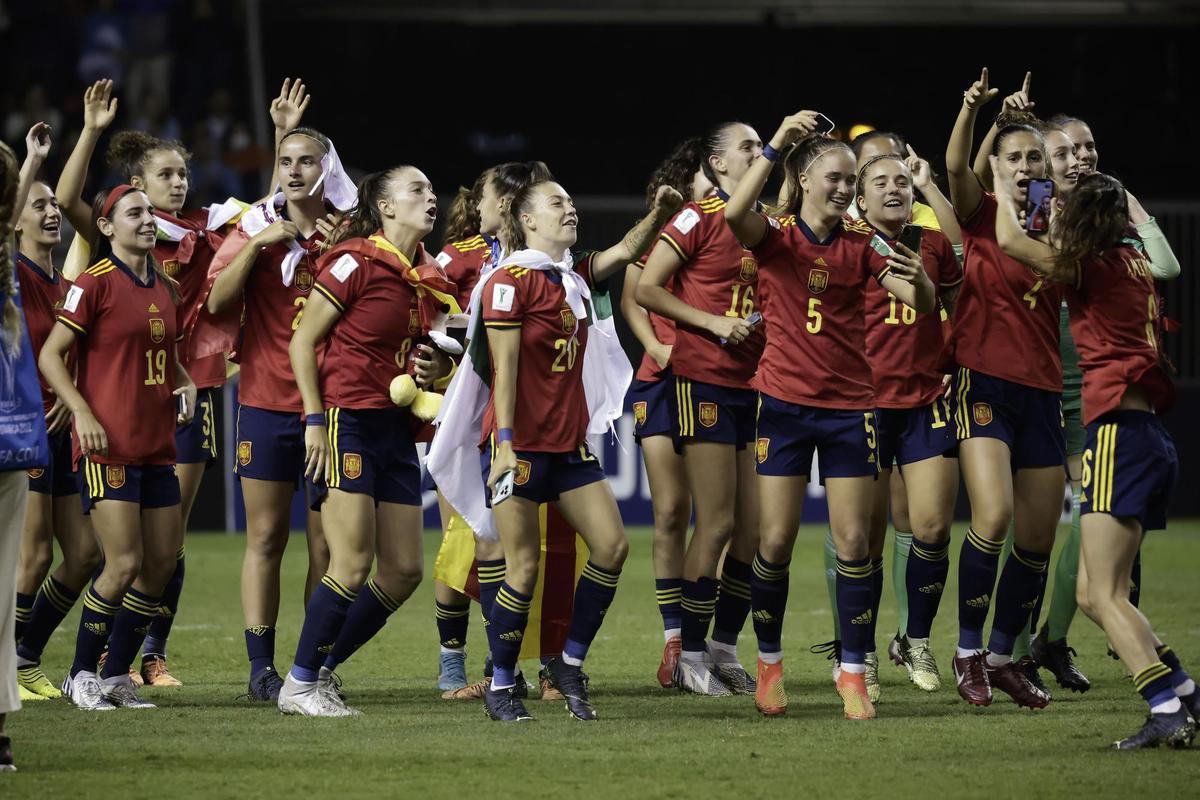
546	686
1192	703
503	705
329	682
1028	666
697	677
33	681
856	702
472	691
309	700
122	693
27	696
155	672
452	670
894	651
972	676
871	677
84	691
735	677
522	686
1057	657
1176	730
573	683
134	675
769	697
918	661
670	657
6	756
1011	679
264	686
833	651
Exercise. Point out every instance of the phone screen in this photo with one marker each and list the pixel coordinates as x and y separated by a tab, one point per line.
1037	205
910	237
824	124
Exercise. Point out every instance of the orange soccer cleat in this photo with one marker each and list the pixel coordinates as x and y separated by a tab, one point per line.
852	686
769	698
155	672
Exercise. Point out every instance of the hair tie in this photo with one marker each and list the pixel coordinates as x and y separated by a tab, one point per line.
115	194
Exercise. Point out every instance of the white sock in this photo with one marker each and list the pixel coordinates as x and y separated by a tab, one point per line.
770	658
1169	707
1182	690
854	669
692	656
496	688
454	650
998	659
574	662
25	662
722	652
672	633
962	652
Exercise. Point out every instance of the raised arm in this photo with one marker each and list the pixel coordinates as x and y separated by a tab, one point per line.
37	147
1018	101
1014	241
637	241
923	180
286	112
965	191
99	111
1164	265
639	319
746	223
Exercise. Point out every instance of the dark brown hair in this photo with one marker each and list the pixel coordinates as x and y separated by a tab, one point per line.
364	219
714	142
1094	218
129	151
100	247
678	170
462	221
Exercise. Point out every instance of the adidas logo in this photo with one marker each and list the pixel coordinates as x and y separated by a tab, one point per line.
933	588
142	631
153	309
259	630
763	616
512	636
453	644
983	601
820	262
98	628
862	619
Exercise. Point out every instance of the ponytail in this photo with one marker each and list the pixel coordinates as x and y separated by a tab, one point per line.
462	221
364	219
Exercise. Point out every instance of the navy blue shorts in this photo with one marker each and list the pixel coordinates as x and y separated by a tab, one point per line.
196	442
148	485
270	444
914	434
1028	420
845	441
1129	468
544	477
654	411
714	413
373	453
57	478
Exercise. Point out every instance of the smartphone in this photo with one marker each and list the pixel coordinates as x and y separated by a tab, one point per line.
754	320
910	237
824	124
504	487
1037	205
181	406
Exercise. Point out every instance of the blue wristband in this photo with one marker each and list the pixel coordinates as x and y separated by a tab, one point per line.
770	154
504	435
311	420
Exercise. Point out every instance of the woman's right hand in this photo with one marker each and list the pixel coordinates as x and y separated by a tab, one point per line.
281	230
661	354
793	128
979	93
919	167
503	460
1020	101
99	106
316	454
734	330
92	438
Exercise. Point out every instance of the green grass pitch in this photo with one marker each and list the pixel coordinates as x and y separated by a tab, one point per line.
650	742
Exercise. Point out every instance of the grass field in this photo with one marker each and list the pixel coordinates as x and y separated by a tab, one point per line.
203	742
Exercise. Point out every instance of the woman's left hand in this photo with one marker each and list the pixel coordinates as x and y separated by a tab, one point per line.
58	417
430	365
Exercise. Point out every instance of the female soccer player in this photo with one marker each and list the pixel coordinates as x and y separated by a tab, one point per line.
912	416
121	314
359	448
655	417
1007	414
264	275
712	301
815	387
53	511
1129	464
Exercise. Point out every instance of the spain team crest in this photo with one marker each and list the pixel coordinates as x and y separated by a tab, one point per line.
171	267
304	279
818	280
245	452
982	413
708	414
568	320
414	321
36	473
639	412
114	476
158	330
352	465
748	270
763	449
523	470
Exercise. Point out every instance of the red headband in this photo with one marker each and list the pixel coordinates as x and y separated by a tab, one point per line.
116	194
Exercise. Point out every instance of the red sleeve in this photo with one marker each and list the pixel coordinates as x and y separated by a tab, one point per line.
583	266
83	304
342	281
503	300
773	241
949	271
684	232
982	221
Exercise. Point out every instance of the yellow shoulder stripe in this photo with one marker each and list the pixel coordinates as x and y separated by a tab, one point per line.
101	267
711	206
518	272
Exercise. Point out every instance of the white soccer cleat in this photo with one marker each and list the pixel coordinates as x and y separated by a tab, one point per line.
699	678
311	700
84	691
120	691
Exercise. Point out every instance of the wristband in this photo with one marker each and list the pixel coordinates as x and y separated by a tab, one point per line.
770	154
504	435
312	420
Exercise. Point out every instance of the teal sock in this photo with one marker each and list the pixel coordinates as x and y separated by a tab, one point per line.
901	546
831	582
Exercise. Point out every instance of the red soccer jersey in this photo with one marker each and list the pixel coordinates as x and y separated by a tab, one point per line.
904	348
370	343
187	263
718	276
271	313
813	294
1006	324
41	300
126	372
551	411
463	261
1115	323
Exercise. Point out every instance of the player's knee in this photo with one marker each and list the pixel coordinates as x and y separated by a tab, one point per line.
992	523
671	517
35	561
611	554
123	568
930	531
266	542
521	571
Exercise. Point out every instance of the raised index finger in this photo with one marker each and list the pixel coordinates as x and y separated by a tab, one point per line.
1025	85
